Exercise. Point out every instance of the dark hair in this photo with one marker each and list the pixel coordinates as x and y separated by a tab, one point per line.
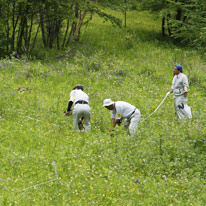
79	86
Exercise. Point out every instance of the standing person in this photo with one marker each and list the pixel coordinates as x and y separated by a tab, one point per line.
179	89
81	110
119	111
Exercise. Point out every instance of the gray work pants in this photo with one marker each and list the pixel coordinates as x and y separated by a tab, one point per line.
82	110
181	107
131	123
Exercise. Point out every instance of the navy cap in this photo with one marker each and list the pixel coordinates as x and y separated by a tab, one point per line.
179	67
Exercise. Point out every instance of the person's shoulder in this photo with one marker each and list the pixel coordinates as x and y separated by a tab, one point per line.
82	92
121	104
183	75
72	92
118	103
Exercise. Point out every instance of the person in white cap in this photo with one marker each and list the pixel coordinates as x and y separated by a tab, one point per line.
81	110
179	89
123	110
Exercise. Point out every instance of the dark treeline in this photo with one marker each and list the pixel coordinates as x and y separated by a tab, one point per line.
183	20
57	23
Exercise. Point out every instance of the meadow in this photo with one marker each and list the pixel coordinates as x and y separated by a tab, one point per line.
44	162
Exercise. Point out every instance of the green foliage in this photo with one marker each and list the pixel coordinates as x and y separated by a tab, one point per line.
164	164
54	24
185	20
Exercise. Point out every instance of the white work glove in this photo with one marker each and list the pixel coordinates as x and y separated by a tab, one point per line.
168	94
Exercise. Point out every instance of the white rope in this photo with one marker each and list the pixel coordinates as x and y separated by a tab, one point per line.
155	109
43	121
36	185
55	169
52	180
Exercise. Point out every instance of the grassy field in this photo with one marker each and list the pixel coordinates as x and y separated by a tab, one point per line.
44	162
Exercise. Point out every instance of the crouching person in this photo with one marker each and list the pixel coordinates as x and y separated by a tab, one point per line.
122	110
81	109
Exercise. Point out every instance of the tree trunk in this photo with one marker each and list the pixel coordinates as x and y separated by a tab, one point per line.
125	14
27	44
8	34
7	30
14	24
79	25
168	24
21	34
50	35
42	28
35	37
72	31
66	32
58	24
65	35
163	26
179	14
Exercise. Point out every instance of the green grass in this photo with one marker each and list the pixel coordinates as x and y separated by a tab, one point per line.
133	64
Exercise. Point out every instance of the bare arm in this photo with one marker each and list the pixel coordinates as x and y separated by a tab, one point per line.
113	123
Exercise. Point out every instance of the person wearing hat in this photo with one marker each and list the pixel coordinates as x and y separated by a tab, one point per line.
123	110
81	109
179	89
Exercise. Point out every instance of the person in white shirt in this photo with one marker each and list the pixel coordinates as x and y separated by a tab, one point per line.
81	109
122	110
179	89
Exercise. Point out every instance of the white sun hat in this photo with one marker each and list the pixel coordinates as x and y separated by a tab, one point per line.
107	102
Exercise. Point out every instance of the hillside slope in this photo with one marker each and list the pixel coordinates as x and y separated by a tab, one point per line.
44	162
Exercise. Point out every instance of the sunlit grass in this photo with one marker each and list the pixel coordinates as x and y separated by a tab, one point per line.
163	165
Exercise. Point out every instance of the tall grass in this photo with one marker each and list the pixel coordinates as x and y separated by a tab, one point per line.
164	164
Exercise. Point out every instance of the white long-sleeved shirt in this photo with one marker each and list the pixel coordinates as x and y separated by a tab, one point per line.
78	95
122	110
178	83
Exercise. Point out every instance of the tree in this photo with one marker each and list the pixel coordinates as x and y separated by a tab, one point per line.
57	23
184	19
